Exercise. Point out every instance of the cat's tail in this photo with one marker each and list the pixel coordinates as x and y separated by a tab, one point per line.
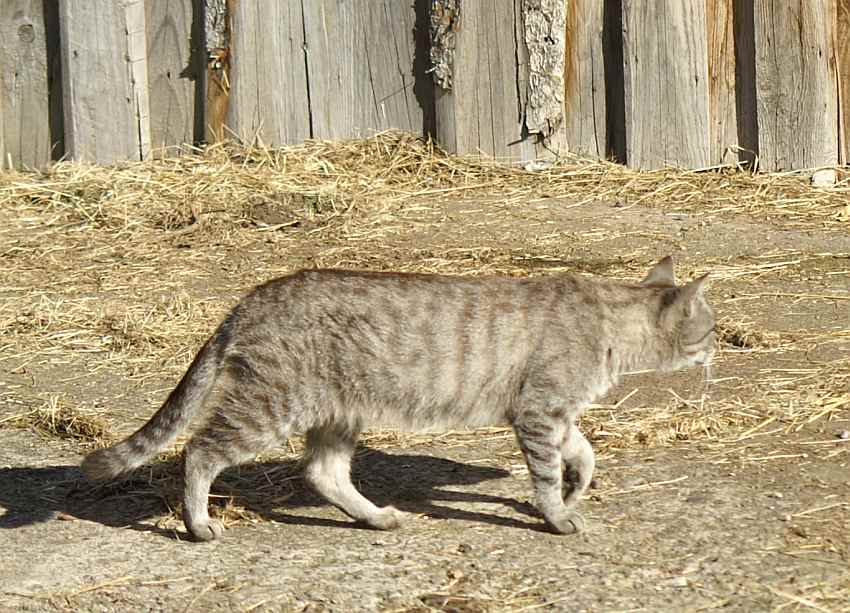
173	417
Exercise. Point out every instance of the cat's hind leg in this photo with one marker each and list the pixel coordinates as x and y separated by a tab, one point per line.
579	462
225	441
540	437
328	470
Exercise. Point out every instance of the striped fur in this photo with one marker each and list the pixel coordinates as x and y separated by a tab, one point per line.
328	353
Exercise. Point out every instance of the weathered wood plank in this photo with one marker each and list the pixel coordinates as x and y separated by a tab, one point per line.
796	84
172	77
665	61
269	99
137	57
102	105
843	64
584	79
360	66
24	126
3	156
723	124
506	79
388	37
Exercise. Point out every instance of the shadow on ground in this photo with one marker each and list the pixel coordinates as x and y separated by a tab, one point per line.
271	490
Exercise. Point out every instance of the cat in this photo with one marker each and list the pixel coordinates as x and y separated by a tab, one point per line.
327	353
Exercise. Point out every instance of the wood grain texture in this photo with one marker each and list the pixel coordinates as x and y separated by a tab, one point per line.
137	58
494	88
722	103
100	102
468	105
360	67
390	48
269	97
24	108
842	52
171	76
796	84
584	79
665	60
3	156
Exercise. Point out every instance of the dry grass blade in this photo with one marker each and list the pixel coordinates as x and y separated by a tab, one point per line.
53	418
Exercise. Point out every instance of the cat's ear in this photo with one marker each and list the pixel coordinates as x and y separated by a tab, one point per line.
689	293
661	274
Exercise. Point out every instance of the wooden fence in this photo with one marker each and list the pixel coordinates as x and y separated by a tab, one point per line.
691	83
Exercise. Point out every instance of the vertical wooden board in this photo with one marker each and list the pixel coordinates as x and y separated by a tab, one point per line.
722	104
137	58
360	67
665	61
485	109
331	59
100	103
485	85
584	79
269	97
388	37
24	123
843	64
2	142
500	117
171	76
796	85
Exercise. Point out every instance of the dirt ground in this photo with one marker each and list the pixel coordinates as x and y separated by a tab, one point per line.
732	494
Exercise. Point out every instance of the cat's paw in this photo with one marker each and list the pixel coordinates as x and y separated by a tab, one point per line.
389	518
569	523
206	531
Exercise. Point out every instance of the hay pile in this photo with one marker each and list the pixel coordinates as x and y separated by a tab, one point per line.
323	181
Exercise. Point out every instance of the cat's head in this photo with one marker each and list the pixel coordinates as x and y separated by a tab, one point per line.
685	316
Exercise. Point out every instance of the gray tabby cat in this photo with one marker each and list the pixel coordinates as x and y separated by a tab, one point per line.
328	353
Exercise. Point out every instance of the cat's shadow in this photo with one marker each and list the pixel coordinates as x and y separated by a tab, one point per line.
270	490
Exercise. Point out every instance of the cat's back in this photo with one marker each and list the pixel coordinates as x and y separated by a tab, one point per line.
318	293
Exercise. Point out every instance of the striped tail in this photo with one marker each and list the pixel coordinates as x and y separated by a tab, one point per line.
174	416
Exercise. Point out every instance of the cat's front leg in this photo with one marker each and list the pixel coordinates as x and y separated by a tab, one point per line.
541	438
579	463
